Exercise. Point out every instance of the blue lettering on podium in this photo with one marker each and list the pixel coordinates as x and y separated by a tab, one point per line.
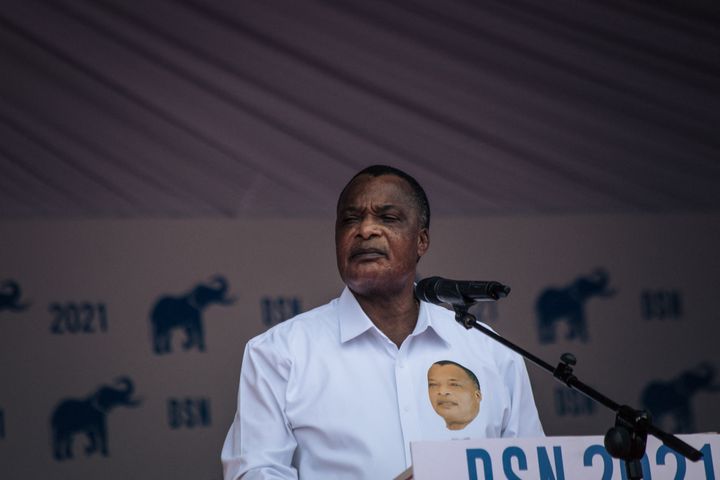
508	454
598	450
546	470
708	461
473	454
663	452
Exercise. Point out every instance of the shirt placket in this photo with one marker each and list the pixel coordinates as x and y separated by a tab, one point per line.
407	404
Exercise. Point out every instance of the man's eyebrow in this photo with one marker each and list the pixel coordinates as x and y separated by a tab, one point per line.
385	208
379	209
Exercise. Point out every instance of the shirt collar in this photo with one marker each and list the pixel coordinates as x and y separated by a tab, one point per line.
429	319
351	317
354	322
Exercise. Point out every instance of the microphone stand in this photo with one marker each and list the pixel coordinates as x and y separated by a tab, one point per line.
627	439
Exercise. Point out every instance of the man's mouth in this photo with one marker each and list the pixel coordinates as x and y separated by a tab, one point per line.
366	253
446	403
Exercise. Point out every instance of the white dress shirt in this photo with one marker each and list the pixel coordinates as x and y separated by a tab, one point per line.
326	395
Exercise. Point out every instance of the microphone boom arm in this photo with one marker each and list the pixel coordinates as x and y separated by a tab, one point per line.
627	439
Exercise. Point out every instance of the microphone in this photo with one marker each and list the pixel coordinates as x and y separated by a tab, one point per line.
458	292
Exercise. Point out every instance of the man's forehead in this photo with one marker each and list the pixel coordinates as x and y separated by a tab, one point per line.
390	190
449	369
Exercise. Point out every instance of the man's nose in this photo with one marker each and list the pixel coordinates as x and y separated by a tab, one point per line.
368	227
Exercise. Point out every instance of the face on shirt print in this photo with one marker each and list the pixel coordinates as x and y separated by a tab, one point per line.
454	393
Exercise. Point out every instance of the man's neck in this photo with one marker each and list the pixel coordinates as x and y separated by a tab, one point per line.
395	316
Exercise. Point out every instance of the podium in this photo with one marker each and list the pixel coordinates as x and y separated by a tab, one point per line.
555	458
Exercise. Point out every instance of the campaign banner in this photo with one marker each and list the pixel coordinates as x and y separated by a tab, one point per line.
121	341
557	458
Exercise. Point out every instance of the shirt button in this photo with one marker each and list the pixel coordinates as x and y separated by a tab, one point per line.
407	408
401	365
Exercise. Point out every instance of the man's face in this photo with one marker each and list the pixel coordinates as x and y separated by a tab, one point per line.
453	395
378	238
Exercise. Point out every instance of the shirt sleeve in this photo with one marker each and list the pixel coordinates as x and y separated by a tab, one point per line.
260	443
524	420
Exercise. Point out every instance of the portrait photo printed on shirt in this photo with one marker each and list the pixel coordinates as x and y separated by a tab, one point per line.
454	392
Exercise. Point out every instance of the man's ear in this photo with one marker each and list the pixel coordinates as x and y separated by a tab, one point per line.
423	242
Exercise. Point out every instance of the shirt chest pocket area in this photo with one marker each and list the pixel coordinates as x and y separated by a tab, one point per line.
335	394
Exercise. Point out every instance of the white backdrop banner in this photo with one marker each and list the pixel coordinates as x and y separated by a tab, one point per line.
121	341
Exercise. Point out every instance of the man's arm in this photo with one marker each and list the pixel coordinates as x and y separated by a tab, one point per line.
260	443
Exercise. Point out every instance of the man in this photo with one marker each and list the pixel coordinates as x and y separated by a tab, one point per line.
454	393
339	392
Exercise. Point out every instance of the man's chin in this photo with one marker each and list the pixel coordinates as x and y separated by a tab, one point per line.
366	289
375	279
370	285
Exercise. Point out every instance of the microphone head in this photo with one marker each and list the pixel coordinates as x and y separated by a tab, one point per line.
501	291
426	291
439	290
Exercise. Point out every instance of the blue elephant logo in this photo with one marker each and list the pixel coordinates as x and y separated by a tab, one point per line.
669	401
568	303
10	293
89	416
184	312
